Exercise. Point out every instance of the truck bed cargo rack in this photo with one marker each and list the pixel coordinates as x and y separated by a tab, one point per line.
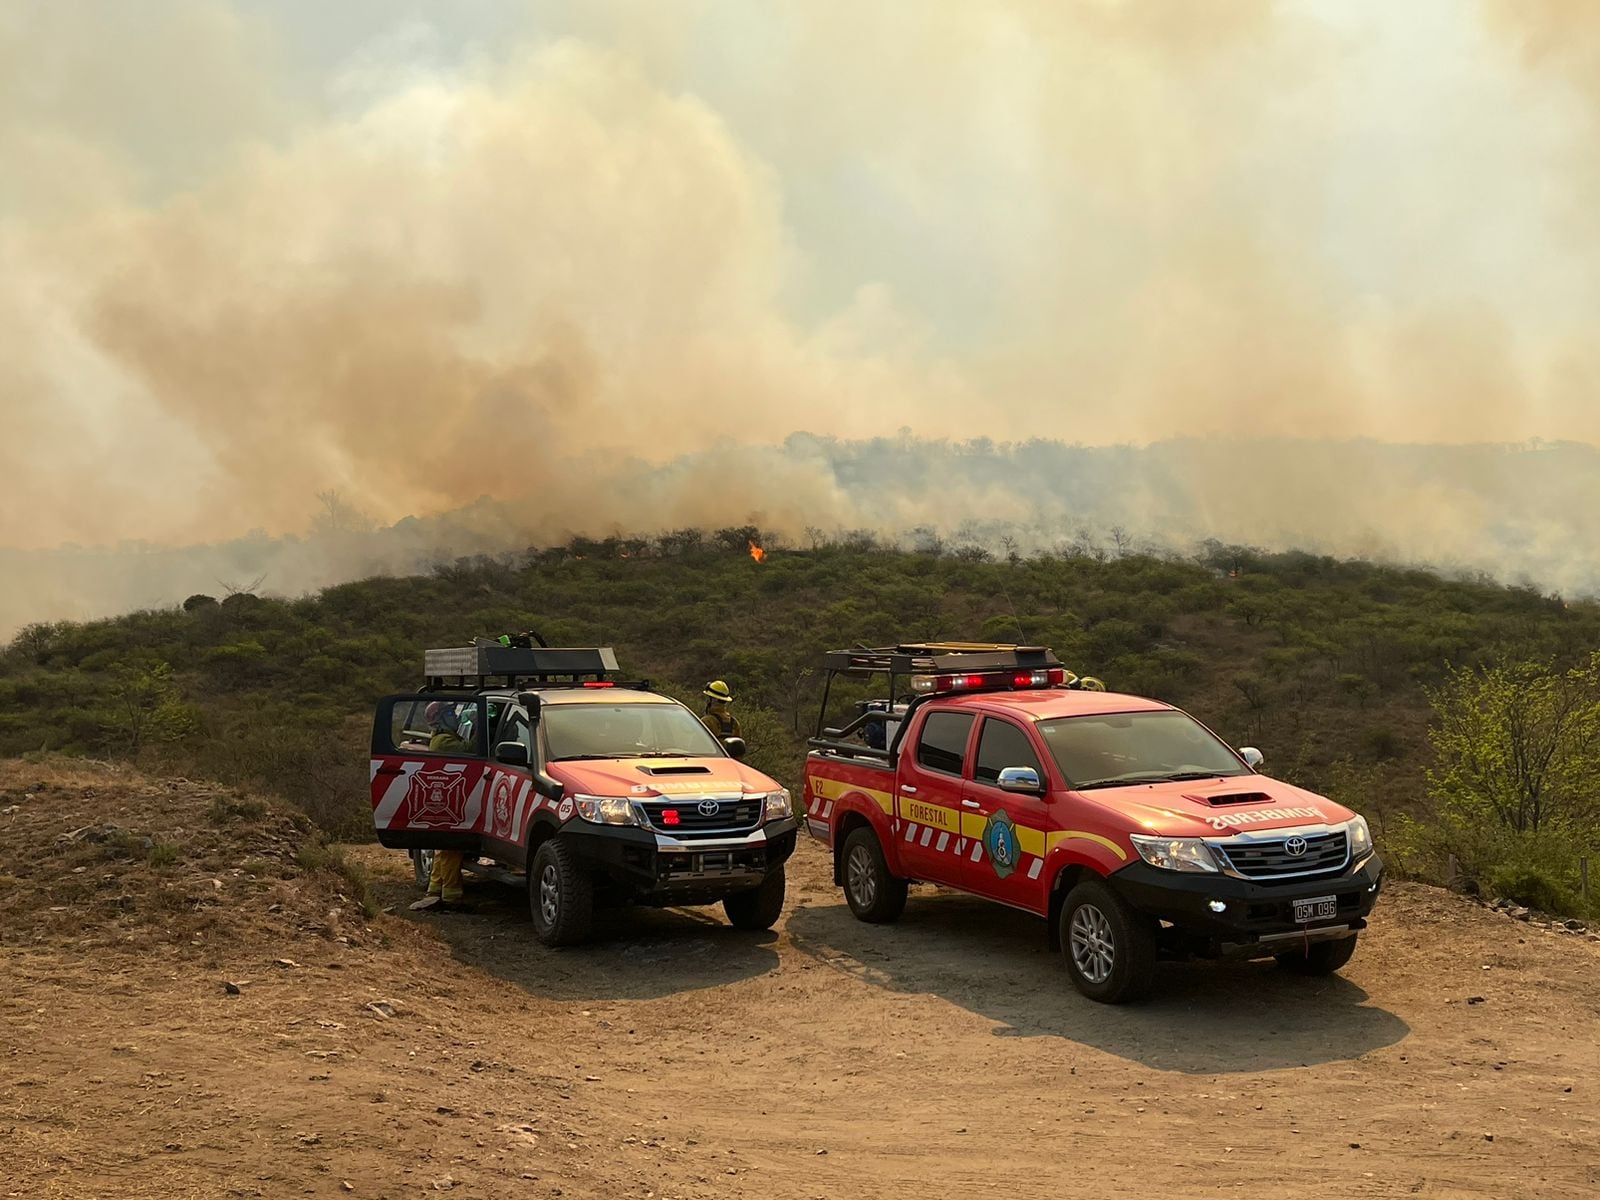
930	658
491	664
899	663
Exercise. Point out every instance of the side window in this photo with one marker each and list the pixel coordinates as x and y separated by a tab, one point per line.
943	744
515	729
446	725
1001	744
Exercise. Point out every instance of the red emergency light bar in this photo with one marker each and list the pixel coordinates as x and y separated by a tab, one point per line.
598	683
1052	677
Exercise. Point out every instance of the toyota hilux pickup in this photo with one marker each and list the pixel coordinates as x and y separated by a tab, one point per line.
548	770
1131	828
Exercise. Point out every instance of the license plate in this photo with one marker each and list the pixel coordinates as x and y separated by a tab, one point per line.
1318	908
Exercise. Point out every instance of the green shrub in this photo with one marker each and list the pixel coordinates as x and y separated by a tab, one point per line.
162	855
1533	887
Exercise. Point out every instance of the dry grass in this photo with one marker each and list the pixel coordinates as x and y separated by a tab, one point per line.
99	855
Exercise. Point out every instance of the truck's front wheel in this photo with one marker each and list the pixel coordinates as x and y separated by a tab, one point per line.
872	892
1109	946
560	895
758	907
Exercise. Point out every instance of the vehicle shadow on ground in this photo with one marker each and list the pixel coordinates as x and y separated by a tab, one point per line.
635	953
1204	1018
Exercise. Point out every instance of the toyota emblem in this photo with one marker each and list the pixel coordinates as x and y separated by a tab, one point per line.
1295	846
710	808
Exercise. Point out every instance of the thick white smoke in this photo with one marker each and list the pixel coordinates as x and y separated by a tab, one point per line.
598	264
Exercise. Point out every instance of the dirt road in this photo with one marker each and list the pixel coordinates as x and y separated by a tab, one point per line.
944	1056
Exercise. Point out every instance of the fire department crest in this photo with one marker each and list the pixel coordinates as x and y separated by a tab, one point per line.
438	798
502	805
1000	840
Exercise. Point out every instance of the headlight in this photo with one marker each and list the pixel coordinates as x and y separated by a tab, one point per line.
1360	837
778	806
1175	854
607	810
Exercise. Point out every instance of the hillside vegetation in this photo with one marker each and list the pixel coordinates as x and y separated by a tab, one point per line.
1325	665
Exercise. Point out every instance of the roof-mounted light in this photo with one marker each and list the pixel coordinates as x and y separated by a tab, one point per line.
970	682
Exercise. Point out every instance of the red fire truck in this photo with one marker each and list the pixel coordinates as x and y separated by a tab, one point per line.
547	769
1131	828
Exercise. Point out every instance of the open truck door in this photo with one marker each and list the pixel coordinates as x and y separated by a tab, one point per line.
430	770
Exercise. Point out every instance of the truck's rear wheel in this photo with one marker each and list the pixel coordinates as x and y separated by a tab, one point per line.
422	866
1319	958
1109	946
560	895
758	907
872	892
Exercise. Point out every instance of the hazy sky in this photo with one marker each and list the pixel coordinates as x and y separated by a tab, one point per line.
420	252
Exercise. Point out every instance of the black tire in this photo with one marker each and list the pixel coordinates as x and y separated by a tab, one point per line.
759	907
422	867
1319	958
874	895
1110	947
560	895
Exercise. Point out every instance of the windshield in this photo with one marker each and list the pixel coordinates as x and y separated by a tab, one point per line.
1139	747
625	731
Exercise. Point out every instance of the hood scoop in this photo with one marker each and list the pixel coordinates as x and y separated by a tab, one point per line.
1231	798
676	770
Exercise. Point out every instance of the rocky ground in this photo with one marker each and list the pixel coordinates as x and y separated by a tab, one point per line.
200	1002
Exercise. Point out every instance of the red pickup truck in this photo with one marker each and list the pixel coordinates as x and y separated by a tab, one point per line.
548	770
1131	828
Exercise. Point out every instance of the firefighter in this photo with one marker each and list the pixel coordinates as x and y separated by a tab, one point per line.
719	716
444	881
445	722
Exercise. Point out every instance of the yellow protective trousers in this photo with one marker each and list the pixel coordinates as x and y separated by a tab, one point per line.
444	880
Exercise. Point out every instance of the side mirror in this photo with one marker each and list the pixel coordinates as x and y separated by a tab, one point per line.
735	746
1020	779
513	754
1251	756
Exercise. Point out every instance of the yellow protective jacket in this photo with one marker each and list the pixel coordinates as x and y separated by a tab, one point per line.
722	724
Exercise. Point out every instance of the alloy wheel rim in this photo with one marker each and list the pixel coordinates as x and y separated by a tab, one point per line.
425	863
549	896
1093	947
863	879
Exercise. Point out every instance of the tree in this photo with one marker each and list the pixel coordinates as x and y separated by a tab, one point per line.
148	708
1518	746
338	515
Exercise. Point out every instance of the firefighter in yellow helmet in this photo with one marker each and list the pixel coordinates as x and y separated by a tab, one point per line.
719	716
448	737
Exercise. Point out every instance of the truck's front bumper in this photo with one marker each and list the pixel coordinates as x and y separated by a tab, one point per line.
1256	919
657	868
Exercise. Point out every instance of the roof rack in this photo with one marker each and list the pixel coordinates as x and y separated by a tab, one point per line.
927	658
933	668
487	663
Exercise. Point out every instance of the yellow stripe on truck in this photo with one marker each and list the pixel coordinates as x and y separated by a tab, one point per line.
837	789
1036	841
1029	840
936	815
1059	835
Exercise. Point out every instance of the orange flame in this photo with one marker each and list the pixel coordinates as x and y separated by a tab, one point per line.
757	553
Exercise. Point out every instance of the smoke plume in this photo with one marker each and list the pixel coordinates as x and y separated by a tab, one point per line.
598	263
